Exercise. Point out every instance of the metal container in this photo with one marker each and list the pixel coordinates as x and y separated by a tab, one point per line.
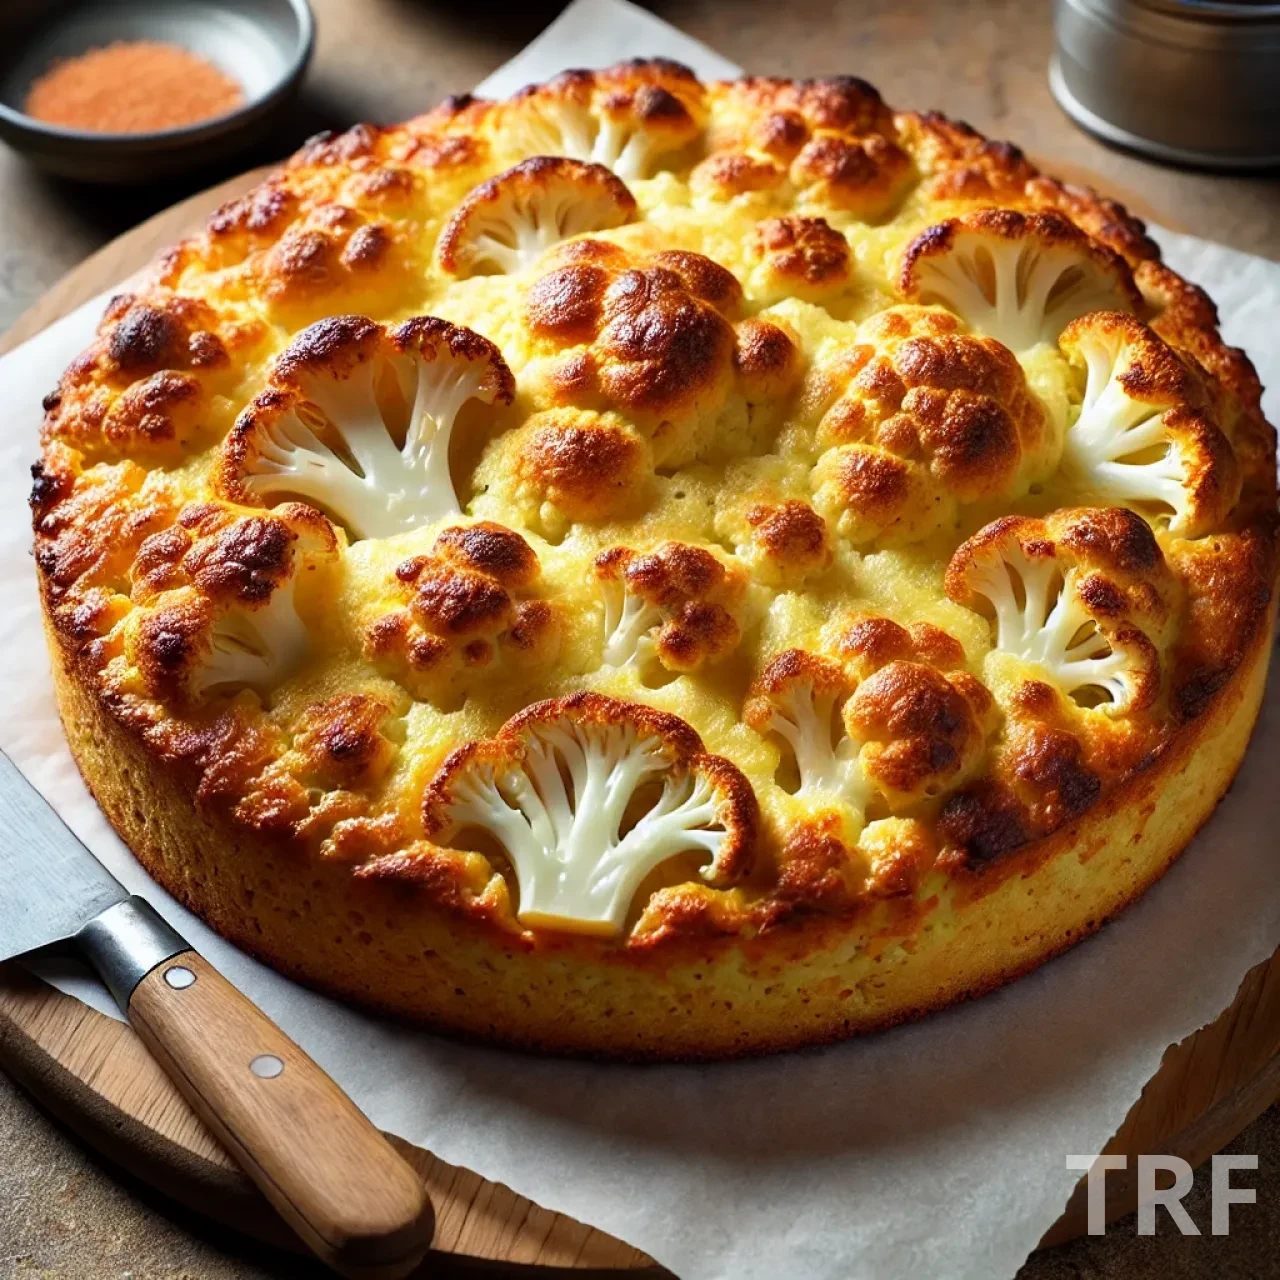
1189	81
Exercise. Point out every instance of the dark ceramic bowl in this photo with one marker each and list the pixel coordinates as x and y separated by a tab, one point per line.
263	44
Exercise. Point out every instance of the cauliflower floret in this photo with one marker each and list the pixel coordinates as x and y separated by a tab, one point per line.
459	613
799	696
785	541
507	223
220	600
675	605
587	796
562	466
1018	278
1082	595
829	144
921	420
798	258
657	338
895	717
1144	436
321	431
626	118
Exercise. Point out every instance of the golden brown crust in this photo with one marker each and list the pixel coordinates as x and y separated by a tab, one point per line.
928	591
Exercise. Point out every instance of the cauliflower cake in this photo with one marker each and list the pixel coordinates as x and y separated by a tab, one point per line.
659	569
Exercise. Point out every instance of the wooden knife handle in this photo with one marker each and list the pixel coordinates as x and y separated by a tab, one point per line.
331	1175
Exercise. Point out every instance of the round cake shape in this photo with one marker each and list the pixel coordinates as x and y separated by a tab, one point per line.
659	569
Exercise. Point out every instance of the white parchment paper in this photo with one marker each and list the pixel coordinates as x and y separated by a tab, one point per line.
934	1150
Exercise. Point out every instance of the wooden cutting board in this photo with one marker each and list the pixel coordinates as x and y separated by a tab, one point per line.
93	1073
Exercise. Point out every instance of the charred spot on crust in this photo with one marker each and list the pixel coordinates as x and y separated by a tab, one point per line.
815	872
856	174
874	483
170	332
735	172
872	641
366	247
661	345
703	278
1048	765
1114	538
266	210
922	727
675	573
49	486
329	148
341	739
983	823
142	339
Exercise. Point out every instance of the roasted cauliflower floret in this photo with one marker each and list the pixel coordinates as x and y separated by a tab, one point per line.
1144	436
921	729
787	542
507	223
894	717
470	607
628	118
930	419
1085	596
652	337
777	117
323	430
675	604
89	525
565	466
303	246
800	696
799	257
586	797
219	597
860	176
826	143
1018	278
156	383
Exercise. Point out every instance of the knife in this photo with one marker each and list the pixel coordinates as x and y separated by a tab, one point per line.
329	1173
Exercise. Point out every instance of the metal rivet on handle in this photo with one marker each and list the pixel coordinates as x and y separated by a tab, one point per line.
267	1066
178	977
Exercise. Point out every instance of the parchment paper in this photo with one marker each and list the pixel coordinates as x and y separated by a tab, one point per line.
934	1150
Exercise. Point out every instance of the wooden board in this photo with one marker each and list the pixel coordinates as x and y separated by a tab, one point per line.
94	1074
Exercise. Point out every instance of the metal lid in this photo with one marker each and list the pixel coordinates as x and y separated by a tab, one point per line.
1189	81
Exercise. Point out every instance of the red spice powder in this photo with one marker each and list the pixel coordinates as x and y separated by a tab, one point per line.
138	86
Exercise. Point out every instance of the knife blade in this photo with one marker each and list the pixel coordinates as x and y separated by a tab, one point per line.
50	884
332	1176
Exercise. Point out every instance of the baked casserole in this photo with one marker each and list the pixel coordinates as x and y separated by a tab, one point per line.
659	569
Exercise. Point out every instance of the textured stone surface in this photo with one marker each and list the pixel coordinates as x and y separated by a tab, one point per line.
62	1213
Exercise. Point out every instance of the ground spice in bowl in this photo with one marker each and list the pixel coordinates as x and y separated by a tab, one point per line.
139	86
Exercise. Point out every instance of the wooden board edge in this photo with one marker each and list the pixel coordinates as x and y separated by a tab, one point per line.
86	1088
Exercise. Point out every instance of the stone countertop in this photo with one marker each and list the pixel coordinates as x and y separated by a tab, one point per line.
62	1212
